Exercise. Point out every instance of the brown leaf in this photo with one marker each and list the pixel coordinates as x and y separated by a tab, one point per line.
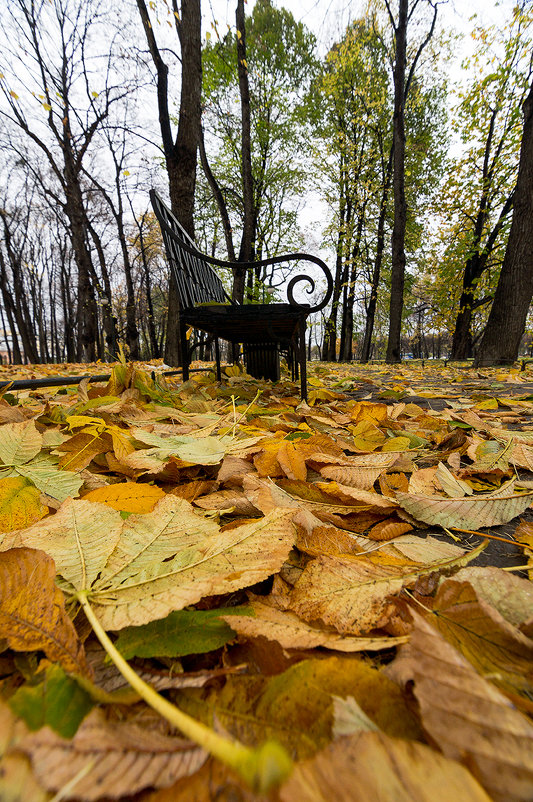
495	647
388	530
111	759
511	595
233	500
373	766
465	513
232	470
291	461
353	594
373	502
293	633
32	609
466	716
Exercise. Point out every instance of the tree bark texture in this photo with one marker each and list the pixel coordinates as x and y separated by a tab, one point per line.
181	153
247	248
507	318
398	183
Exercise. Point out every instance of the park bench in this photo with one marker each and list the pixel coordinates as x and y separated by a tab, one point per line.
264	330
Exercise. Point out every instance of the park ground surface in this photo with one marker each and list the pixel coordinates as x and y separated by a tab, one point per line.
349	577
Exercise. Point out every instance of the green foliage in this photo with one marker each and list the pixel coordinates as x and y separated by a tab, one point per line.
281	65
181	633
57	701
480	176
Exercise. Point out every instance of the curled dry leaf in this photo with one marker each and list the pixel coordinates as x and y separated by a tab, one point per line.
233	500
293	633
465	513
120	758
466	716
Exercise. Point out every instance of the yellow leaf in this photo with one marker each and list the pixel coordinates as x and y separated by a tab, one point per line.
14	95
365	410
32	609
291	461
94	94
127	496
396	444
126	172
47	106
75	421
367	437
20	504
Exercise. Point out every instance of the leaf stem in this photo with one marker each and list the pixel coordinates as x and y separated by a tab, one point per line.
262	768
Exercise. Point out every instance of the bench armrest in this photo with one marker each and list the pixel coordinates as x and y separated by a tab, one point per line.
289	257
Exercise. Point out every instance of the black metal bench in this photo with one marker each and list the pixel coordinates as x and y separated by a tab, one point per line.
263	329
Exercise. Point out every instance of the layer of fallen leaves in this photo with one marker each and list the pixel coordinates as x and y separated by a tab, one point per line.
281	570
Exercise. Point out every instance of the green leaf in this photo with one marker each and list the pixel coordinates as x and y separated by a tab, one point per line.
19	442
50	479
58	701
181	633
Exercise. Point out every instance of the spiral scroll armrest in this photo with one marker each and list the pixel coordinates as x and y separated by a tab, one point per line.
186	244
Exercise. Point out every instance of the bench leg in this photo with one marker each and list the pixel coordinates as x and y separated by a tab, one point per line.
217	357
184	351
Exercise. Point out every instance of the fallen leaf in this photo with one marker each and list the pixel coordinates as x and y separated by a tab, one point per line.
180	633
141	569
496	648
293	633
32	609
20	504
110	756
57	701
466	716
465	513
371	765
127	496
296	707
353	594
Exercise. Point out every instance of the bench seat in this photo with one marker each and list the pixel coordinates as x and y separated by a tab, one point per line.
263	329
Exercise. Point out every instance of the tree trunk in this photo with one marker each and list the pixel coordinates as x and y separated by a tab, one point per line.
507	318
400	203
246	252
181	154
378	260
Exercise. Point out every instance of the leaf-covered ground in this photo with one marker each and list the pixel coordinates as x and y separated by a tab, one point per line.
348	578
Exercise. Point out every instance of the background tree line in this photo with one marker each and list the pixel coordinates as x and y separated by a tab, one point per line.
427	186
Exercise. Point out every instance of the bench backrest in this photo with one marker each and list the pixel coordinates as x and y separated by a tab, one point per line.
196	280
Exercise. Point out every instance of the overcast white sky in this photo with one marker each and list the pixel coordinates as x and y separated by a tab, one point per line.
329	18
